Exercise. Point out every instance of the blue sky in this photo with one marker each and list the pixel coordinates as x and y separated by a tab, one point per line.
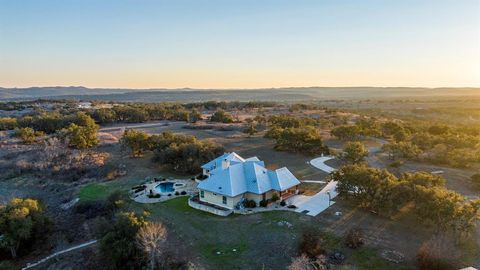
230	44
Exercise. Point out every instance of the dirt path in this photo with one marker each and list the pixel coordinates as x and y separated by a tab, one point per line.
31	265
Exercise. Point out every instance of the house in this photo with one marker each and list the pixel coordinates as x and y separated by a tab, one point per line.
230	179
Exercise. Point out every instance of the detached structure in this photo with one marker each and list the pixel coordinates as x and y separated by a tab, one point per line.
232	179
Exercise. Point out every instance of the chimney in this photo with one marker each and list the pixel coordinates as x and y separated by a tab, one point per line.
225	164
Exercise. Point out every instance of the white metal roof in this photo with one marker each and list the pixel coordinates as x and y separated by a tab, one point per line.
245	175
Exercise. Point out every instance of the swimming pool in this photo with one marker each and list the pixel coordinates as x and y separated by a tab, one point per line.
165	187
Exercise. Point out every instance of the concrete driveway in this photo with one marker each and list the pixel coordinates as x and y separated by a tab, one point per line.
314	205
317	203
319	163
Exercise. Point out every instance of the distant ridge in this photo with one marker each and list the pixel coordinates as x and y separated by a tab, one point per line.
261	94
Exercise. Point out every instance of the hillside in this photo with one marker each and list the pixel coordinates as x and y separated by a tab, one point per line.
273	94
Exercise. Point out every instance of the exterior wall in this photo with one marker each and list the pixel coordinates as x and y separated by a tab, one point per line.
258	197
215	198
209	209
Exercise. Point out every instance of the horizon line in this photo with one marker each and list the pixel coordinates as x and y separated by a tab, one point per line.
230	88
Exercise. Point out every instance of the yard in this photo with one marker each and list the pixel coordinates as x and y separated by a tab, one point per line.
259	241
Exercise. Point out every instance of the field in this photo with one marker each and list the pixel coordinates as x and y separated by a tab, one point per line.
258	241
258	236
201	230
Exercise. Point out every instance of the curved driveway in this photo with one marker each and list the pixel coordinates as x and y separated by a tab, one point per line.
319	163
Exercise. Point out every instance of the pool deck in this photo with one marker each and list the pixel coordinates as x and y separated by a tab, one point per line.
142	197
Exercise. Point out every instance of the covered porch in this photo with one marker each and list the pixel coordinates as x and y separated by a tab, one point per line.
288	193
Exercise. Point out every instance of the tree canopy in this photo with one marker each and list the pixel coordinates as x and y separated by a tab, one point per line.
354	152
21	220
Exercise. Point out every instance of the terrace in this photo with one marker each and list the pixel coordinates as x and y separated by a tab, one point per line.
195	202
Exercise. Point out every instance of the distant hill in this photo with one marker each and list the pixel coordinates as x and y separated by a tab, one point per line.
189	95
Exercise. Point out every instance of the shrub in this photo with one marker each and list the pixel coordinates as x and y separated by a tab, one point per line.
27	135
177	193
116	200
155	195
437	254
92	209
275	197
283	203
263	203
291	206
311	244
354	238
249	204
221	116
183	193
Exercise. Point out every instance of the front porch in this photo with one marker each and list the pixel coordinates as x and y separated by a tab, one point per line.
286	194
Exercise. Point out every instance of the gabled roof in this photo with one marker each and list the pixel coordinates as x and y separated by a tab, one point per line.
245	175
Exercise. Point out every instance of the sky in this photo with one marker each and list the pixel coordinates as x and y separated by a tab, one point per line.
239	43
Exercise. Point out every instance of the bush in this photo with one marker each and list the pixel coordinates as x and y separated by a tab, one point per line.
275	197
291	206
183	193
155	195
283	203
354	238
249	204
263	203
92	209
222	117
27	135
116	200
437	254
311	244
177	193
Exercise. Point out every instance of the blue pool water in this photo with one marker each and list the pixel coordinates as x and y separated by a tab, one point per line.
165	187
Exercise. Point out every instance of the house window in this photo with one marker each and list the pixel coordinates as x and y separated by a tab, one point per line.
202	194
224	200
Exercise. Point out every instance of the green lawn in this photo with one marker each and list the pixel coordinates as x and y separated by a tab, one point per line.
93	192
248	242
